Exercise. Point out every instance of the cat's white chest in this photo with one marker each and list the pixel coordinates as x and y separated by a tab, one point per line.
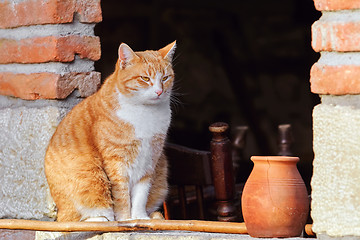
148	122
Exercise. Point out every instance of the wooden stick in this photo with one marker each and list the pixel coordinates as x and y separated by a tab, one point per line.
134	225
125	226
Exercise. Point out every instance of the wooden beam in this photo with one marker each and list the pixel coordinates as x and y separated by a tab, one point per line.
127	226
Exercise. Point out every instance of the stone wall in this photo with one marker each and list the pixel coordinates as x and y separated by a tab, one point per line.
336	121
47	54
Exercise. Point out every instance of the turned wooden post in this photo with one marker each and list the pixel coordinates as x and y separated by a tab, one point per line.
222	172
285	140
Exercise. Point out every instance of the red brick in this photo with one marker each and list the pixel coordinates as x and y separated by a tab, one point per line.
31	12
48	85
336	36
326	5
46	49
87	83
89	10
335	80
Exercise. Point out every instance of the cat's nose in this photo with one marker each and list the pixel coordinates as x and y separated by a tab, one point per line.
159	92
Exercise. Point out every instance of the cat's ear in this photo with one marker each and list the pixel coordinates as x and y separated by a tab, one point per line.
168	51
126	55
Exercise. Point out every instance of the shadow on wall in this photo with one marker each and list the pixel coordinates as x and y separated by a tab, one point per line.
242	62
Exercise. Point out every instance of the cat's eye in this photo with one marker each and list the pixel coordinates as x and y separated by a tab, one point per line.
165	78
146	79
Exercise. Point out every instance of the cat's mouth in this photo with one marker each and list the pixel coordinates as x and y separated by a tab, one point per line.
155	98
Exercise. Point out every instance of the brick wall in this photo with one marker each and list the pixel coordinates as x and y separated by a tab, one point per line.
47	54
37	32
336	121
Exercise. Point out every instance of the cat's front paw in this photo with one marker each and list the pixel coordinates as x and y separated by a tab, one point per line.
157	215
143	217
96	219
132	218
140	216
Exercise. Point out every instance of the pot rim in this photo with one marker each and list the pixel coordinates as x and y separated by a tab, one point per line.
275	158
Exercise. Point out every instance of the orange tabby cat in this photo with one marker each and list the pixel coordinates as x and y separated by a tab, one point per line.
105	161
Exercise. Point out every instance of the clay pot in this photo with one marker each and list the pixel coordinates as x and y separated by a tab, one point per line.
275	201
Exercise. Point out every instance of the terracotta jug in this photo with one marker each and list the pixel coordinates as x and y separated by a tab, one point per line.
275	201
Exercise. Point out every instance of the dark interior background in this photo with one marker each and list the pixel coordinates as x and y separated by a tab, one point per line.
242	62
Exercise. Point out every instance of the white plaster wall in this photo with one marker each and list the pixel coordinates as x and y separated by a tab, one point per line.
336	178
24	136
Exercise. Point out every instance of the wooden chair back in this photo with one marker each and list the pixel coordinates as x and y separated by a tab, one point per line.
188	167
211	170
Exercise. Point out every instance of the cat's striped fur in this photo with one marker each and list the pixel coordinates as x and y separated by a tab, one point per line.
105	160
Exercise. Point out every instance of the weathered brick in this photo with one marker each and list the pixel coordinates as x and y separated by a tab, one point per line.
335	80
46	49
14	14
31	12
326	5
336	36
89	10
48	85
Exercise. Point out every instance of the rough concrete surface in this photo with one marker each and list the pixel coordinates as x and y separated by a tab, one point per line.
75	28
63	106
158	235
24	136
79	65
16	234
336	176
326	237
339	58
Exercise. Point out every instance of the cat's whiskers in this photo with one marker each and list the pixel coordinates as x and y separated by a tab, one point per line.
174	60
175	102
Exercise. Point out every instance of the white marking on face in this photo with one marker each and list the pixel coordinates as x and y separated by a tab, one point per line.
157	84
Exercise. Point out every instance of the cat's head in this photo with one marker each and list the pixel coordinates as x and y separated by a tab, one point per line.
146	77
